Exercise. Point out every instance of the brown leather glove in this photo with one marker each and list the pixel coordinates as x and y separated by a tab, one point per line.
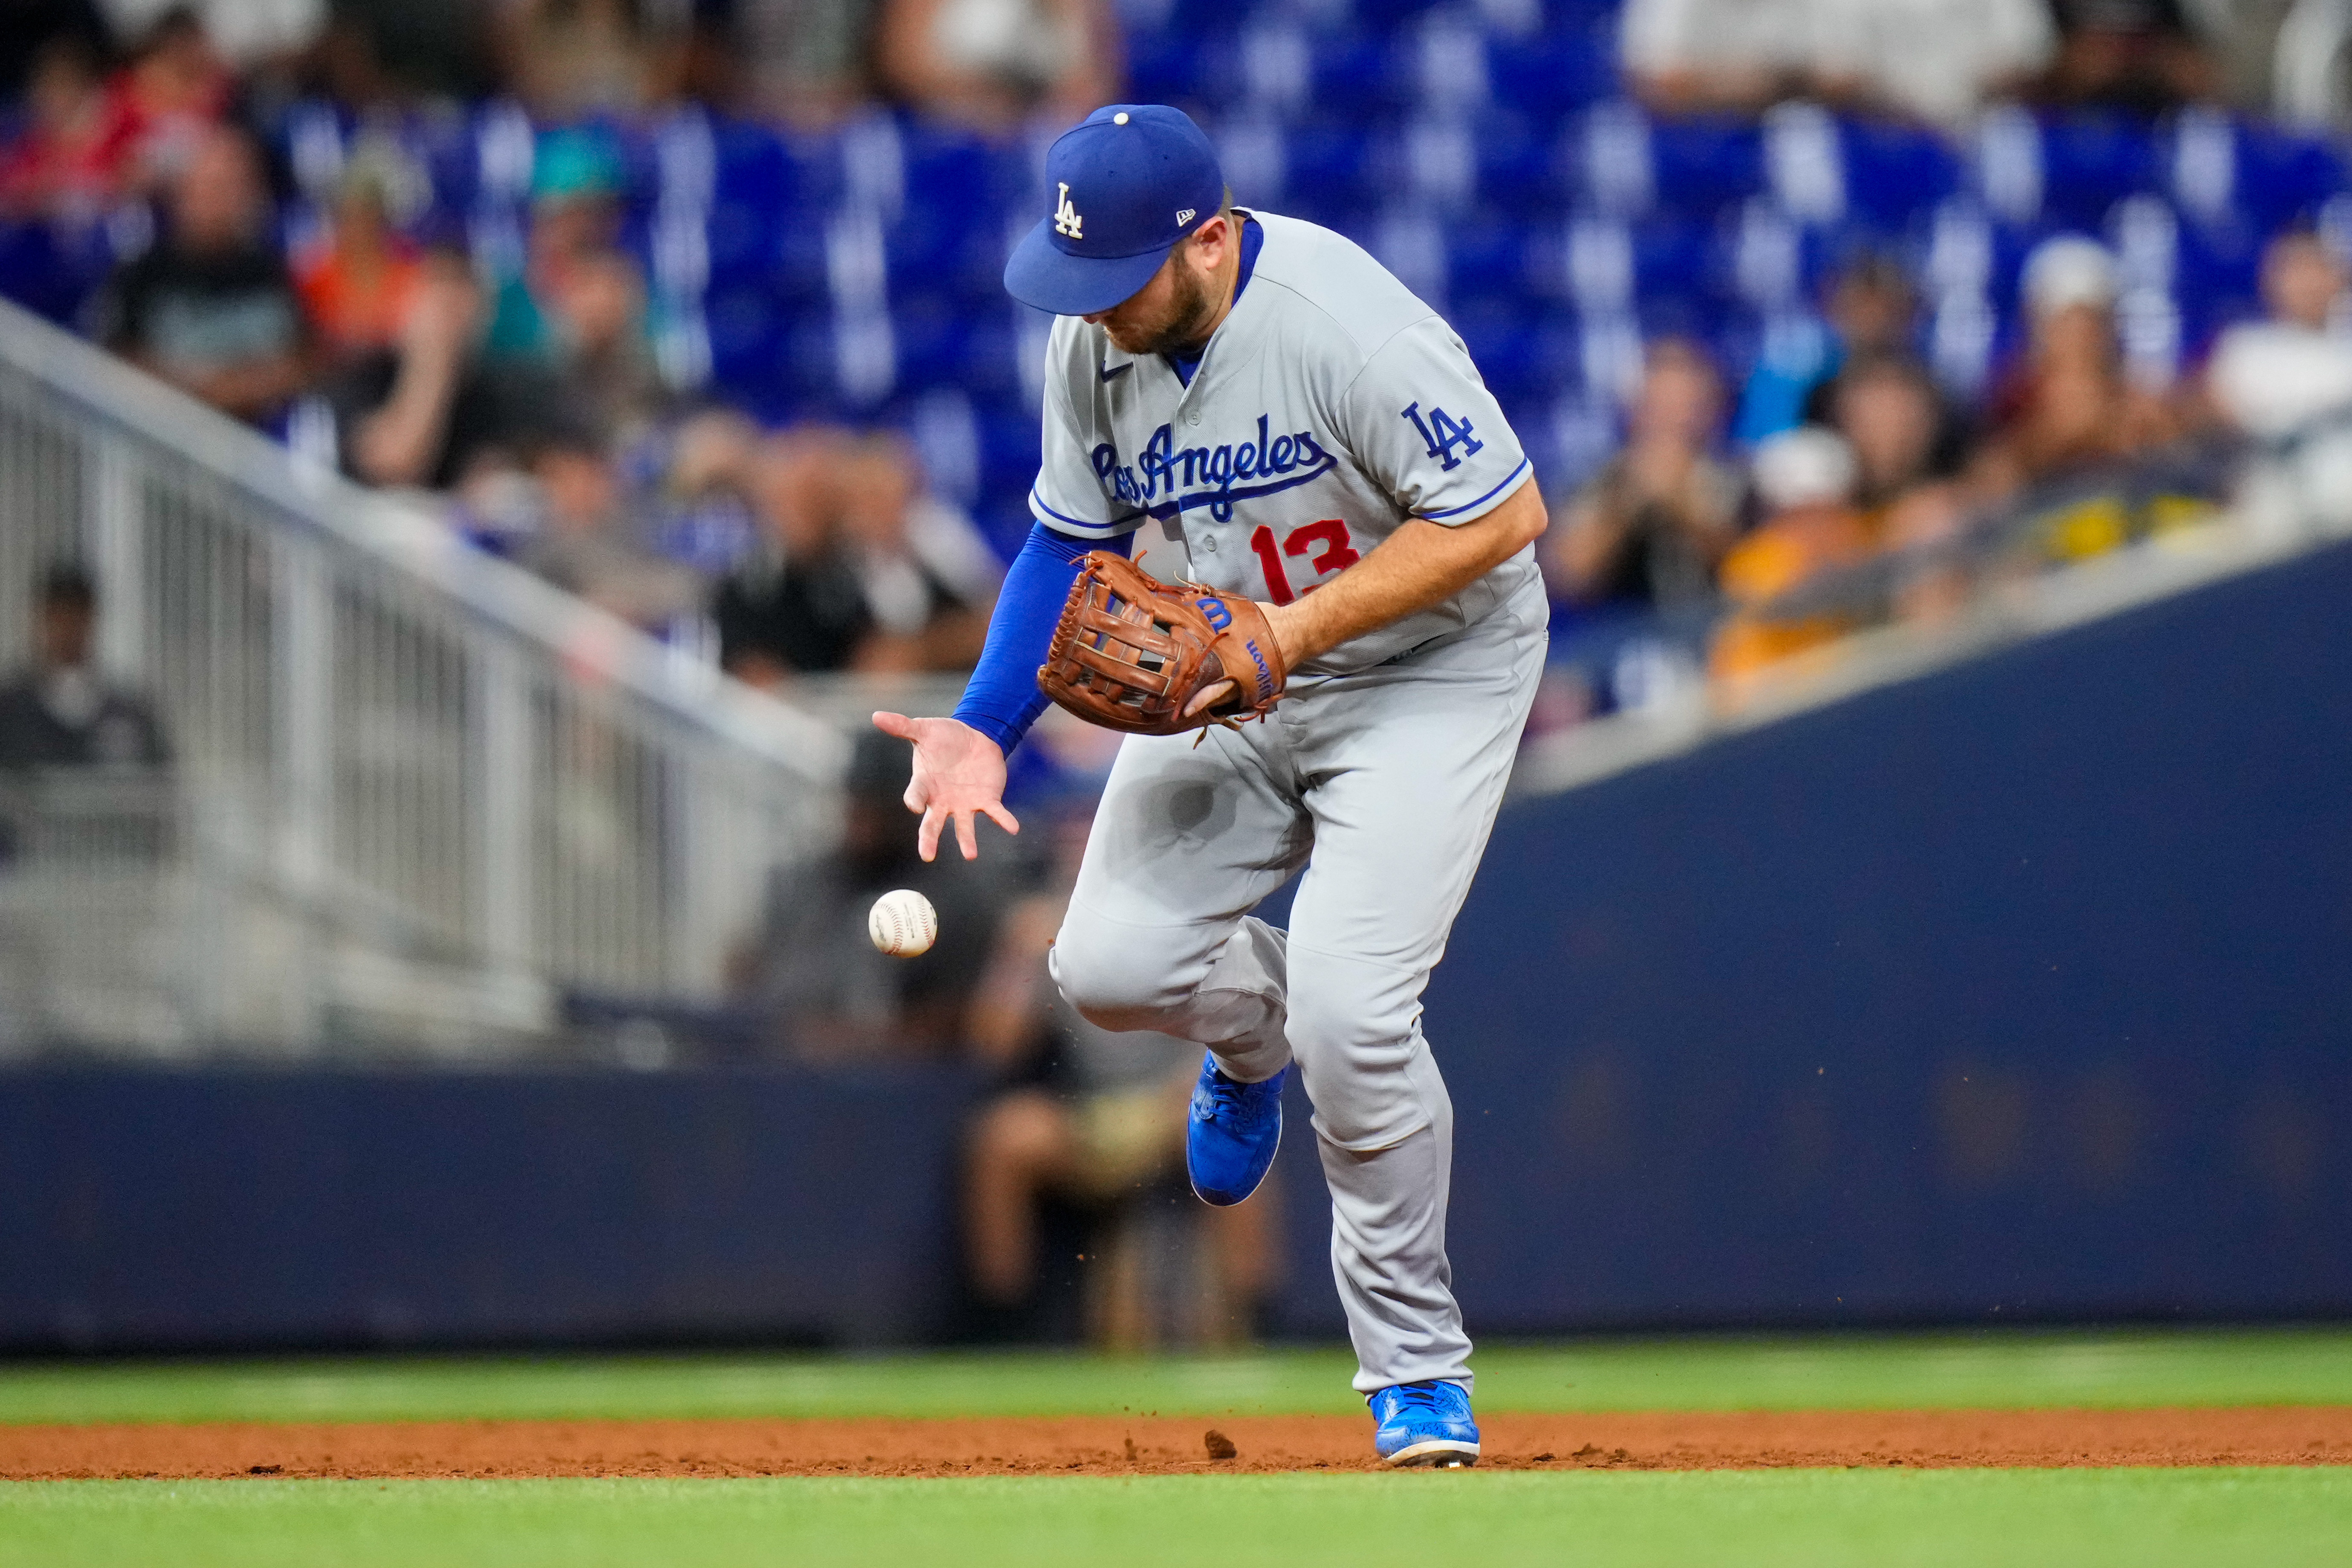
1133	654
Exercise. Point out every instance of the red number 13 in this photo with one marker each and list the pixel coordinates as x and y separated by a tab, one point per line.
1338	554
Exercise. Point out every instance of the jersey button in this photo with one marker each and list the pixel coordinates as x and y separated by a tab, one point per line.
1193	417
1209	545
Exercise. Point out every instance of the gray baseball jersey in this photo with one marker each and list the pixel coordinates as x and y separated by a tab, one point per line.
1332	405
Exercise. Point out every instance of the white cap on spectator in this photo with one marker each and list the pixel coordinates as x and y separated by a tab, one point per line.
1805	466
2069	270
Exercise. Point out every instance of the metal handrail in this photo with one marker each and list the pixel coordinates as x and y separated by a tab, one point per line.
398	532
404	763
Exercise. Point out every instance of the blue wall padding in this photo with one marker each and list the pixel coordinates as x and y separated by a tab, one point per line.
165	1209
2023	990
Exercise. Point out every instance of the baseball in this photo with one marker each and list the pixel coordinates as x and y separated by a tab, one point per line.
903	924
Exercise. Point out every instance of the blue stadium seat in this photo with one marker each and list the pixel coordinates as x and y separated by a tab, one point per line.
1389	16
1894	172
1166	68
1518	168
2219	279
1519	350
2284	176
1673	258
1487	259
930	331
750	165
1705	165
1331	171
742	238
1550	76
1363	76
49	273
2092	161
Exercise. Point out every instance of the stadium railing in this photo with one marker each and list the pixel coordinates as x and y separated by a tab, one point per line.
457	789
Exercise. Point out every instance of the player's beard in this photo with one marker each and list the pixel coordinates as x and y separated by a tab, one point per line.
1183	329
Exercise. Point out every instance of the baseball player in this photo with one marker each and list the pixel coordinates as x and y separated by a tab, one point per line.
1250	403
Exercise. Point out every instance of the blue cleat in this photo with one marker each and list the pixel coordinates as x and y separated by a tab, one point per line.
1231	1133
1425	1424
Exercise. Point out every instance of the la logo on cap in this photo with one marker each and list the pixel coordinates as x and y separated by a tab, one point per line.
1066	219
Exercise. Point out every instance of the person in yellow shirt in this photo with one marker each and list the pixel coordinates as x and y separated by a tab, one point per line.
1805	478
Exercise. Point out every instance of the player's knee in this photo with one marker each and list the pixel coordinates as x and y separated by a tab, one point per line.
1114	984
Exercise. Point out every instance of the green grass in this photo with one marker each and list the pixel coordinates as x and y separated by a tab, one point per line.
1977	1518
1758	1518
2008	1369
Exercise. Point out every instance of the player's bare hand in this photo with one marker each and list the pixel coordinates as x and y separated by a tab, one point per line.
958	775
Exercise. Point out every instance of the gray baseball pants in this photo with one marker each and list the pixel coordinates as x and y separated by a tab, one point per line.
1384	784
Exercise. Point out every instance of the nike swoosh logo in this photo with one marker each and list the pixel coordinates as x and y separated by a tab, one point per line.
1112	372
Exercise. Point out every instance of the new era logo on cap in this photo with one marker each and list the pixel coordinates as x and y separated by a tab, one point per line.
1116	181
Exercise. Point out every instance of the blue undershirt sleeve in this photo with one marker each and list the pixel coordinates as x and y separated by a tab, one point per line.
1002	700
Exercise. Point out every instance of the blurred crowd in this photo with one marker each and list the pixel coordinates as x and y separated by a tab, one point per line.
1743	524
526	396
524	385
1941	61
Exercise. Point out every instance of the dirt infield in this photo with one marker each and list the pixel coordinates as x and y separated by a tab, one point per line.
1148	1444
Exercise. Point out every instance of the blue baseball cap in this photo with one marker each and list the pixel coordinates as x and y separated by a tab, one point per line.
1124	186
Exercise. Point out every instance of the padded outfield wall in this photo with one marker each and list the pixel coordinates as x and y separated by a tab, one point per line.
2020	991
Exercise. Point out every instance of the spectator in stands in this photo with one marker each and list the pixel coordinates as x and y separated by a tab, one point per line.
1805	478
2288	383
68	162
1909	486
1872	309
805	62
1647	531
34	25
2273	377
812	967
706	520
796	605
2140	56
1932	60
361	280
211	308
248	39
2069	408
578	306
585	544
376	51
928	577
991	63
1090	1117
575	214
345	69
63	711
433	412
606	361
571	58
168	99
1891	414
